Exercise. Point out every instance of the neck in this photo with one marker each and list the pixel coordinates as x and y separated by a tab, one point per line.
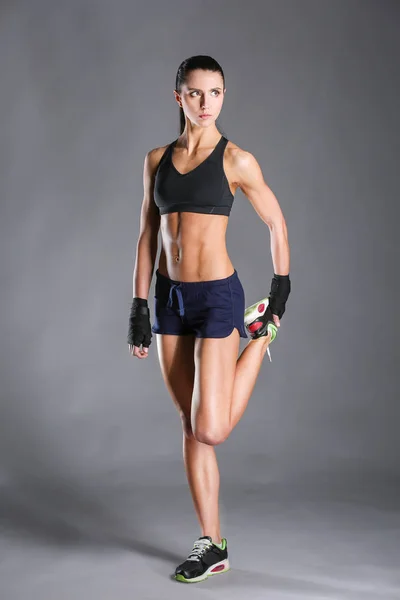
196	138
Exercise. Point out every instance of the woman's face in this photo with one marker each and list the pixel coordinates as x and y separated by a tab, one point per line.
203	93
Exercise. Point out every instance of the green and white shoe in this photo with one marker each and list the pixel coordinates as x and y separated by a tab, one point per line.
259	322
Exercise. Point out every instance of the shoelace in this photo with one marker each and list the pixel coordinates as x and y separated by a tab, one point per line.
199	548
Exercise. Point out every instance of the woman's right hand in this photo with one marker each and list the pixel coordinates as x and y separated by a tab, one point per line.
139	333
136	351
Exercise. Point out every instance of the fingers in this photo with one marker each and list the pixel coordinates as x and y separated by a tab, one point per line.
276	320
138	352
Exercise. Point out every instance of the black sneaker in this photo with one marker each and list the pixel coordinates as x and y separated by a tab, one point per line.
205	559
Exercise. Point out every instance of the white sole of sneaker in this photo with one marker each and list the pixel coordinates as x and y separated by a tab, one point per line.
220	567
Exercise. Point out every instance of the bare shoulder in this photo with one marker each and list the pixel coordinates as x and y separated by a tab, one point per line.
152	159
239	156
150	217
241	162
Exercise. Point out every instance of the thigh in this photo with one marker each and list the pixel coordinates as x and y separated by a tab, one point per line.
215	369
176	357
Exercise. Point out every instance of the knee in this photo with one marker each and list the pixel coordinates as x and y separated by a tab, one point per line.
210	436
187	426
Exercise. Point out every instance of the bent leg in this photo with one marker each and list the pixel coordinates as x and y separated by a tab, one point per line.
247	369
223	384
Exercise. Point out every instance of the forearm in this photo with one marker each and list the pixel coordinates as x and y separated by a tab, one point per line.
146	253
280	251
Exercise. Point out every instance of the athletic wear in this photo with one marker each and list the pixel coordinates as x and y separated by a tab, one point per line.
204	308
280	290
139	323
204	189
259	321
204	560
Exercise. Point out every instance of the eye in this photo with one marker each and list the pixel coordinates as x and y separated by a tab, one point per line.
195	92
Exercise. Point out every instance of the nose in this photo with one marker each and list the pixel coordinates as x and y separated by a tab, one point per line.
203	103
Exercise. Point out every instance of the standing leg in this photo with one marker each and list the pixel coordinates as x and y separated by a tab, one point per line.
176	356
203	477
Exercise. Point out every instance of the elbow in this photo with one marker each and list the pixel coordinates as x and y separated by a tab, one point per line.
149	232
148	241
278	225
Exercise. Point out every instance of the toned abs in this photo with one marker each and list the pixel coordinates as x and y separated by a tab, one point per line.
194	244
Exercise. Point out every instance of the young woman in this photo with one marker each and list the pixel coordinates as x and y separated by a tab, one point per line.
200	315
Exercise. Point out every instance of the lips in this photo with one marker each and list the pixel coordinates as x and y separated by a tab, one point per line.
204	116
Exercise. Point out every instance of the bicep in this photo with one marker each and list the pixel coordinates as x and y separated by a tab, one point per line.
251	182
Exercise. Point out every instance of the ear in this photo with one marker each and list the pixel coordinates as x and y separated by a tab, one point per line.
177	98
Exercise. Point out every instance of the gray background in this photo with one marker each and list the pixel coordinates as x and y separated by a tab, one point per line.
90	442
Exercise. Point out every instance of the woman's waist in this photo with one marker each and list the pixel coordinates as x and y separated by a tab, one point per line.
191	264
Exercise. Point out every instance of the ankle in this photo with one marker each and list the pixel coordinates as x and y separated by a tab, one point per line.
217	539
262	342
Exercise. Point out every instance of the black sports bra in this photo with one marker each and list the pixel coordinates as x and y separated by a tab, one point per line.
204	189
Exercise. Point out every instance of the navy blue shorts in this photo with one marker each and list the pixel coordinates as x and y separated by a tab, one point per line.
207	309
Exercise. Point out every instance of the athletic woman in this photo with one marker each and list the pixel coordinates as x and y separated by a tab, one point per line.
200	314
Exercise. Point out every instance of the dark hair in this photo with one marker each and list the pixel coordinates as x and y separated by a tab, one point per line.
207	63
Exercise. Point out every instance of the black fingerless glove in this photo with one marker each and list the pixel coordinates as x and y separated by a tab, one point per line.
139	323
280	290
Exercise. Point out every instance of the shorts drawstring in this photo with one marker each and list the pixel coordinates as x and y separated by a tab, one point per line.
178	289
